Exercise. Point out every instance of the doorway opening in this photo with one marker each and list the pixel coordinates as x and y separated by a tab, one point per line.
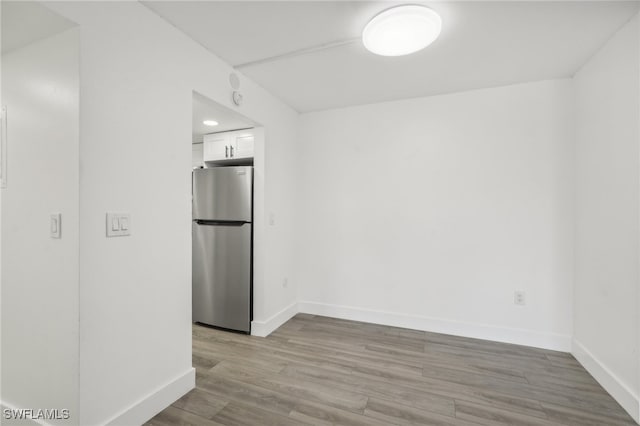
224	147
213	121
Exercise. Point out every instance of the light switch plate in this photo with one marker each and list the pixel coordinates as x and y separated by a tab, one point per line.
118	224
55	225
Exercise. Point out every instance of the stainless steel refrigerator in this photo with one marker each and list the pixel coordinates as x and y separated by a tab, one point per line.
222	247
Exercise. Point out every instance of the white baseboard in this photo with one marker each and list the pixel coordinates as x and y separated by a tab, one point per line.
156	401
558	342
265	328
612	384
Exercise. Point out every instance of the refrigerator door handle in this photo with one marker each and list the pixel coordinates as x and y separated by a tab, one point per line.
226	152
221	222
3	147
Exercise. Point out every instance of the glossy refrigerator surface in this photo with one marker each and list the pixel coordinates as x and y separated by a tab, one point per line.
222	247
222	193
222	275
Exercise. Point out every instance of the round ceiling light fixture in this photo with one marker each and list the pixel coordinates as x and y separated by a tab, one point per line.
210	123
401	30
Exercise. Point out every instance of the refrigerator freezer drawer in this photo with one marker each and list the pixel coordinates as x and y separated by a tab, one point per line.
222	275
222	193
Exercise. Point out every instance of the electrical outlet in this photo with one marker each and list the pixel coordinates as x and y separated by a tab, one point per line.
518	297
285	283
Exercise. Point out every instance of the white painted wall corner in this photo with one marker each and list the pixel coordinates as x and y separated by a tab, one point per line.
609	381
268	326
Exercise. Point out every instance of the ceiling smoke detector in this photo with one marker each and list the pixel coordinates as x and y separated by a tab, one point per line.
402	30
237	98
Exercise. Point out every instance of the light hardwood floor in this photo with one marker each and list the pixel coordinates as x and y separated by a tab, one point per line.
325	371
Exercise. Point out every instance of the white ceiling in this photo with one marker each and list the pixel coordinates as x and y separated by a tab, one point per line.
25	22
206	109
483	44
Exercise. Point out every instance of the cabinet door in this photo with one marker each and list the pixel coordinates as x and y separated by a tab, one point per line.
216	147
243	144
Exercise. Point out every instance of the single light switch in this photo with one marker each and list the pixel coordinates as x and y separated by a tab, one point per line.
115	224
55	225
125	223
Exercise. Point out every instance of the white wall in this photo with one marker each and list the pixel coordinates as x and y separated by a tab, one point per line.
429	213
39	274
135	292
426	213
196	155
606	306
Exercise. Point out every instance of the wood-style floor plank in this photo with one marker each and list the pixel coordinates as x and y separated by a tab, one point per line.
173	416
400	414
201	403
326	371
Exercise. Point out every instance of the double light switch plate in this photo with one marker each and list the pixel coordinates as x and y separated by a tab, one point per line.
118	224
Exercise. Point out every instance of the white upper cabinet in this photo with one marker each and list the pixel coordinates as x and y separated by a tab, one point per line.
216	147
243	144
228	147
